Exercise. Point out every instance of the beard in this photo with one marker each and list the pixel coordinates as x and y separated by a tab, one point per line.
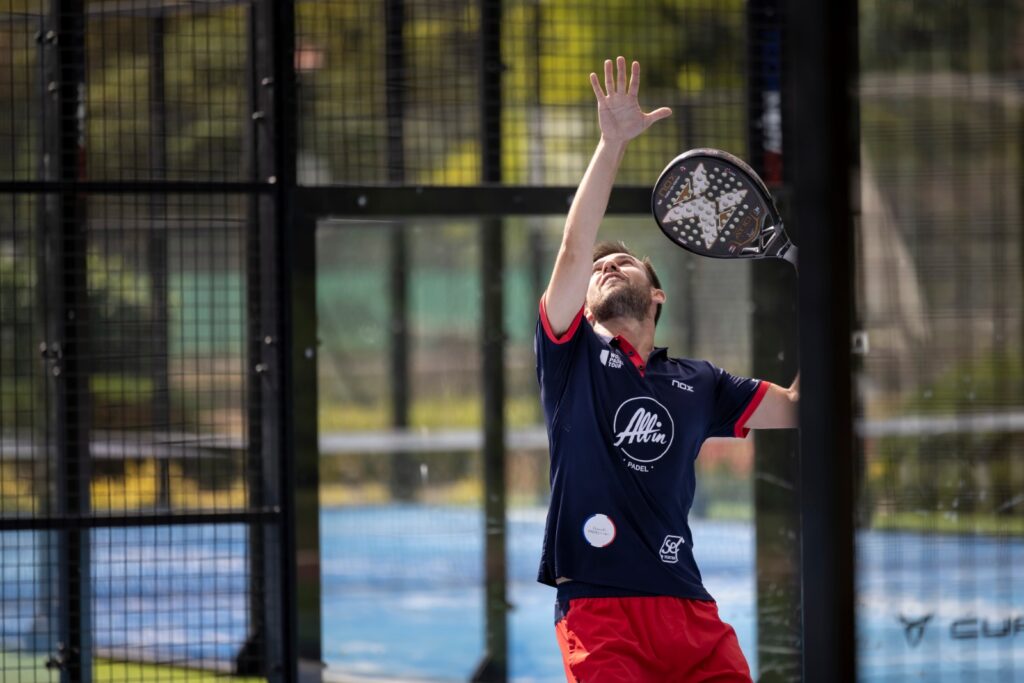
627	301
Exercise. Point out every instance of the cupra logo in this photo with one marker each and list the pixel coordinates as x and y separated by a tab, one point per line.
913	629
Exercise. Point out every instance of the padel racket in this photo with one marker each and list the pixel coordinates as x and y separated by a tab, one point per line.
713	204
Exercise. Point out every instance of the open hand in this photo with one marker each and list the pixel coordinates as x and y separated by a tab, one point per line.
618	110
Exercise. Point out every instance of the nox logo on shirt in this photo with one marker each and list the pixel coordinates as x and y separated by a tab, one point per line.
643	430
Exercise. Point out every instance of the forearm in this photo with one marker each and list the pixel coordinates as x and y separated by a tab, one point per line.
779	409
568	286
621	119
591	200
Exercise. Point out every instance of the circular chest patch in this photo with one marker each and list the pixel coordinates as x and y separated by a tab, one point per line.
643	429
599	530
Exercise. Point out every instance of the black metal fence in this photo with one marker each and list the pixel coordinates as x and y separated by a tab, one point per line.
258	259
146	515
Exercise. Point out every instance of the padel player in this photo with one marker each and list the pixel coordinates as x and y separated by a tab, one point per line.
625	422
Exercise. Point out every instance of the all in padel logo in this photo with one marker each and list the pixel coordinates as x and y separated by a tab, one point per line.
643	430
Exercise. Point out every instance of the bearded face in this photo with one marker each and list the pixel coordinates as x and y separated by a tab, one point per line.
619	298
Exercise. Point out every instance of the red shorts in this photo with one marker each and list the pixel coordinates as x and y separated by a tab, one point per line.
650	639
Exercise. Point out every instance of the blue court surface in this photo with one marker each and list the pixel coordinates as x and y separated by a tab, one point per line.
402	596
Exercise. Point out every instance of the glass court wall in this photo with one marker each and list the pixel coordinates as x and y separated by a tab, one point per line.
940	589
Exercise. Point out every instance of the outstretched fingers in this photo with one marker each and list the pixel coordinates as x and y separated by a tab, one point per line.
620	80
634	79
609	79
595	83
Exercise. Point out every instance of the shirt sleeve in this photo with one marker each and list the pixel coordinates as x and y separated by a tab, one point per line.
555	354
735	400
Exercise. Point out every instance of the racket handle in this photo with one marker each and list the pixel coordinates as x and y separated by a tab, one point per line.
789	253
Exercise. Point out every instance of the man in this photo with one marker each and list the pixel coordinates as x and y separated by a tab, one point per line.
625	423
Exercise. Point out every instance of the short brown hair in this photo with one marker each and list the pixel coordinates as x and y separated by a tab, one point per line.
602	249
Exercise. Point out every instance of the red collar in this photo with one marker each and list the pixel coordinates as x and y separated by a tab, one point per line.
631	353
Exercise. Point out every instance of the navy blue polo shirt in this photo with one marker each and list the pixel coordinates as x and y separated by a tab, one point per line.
623	435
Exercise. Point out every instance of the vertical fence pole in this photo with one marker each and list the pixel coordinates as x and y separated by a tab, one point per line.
404	473
821	70
157	250
65	275
289	380
774	323
494	666
263	651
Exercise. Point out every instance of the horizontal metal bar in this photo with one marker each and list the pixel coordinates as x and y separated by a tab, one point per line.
134	187
271	515
931	425
415	441
381	201
131	446
137	8
108	446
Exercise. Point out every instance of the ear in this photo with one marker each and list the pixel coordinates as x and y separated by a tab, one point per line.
658	296
588	315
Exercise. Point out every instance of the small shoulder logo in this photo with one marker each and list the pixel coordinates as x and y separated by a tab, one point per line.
914	629
670	549
682	385
611	358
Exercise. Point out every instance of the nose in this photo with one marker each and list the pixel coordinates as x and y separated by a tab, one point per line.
609	266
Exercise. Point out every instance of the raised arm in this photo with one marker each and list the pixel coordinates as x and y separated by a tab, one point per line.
621	120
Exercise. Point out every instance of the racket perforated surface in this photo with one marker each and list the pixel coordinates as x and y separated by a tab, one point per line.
712	203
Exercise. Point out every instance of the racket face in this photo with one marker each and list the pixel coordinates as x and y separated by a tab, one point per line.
711	203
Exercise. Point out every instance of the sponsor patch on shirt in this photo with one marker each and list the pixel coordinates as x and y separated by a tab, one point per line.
643	431
599	530
611	358
670	549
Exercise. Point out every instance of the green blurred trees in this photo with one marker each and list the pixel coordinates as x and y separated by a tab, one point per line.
689	50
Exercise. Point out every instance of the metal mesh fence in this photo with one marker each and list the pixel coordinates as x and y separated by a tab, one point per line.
168	91
390	92
161	364
144	359
133	494
940	296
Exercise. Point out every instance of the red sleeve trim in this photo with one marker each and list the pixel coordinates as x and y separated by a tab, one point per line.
568	334
741	432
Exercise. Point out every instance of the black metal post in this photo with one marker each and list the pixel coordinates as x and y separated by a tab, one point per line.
287	363
64	263
262	652
774	323
535	150
157	250
404	472
821	70
776	476
764	102
494	666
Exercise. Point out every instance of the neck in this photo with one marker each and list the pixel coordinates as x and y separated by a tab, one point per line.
638	333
